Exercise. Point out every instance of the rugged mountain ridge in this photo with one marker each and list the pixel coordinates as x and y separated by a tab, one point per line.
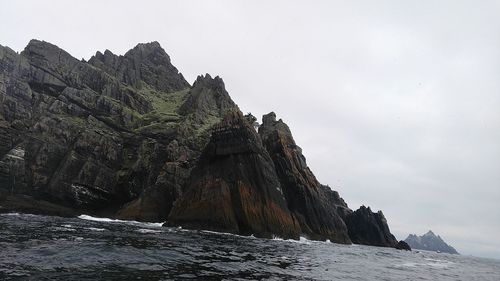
430	242
127	136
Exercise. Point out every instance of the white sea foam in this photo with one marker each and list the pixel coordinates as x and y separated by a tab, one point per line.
438	263
147	230
65	228
302	240
438	260
14	214
432	263
228	234
409	264
10	214
95	229
146	224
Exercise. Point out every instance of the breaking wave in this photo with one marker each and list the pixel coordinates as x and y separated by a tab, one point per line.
106	220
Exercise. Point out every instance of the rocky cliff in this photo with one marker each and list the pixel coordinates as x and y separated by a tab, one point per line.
234	187
316	207
369	228
94	136
429	242
128	137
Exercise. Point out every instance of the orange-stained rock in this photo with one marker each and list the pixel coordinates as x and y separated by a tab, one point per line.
234	188
318	209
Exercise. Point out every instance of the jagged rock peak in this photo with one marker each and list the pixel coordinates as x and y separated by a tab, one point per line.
270	125
154	45
278	133
146	49
369	228
141	50
102	56
429	242
37	49
315	206
268	118
207	81
208	95
430	233
145	63
367	209
9	60
35	44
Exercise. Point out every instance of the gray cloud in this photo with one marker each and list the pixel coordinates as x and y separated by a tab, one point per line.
395	103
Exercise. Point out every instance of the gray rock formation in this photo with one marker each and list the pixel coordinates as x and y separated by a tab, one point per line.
234	188
369	228
314	206
101	134
430	242
146	63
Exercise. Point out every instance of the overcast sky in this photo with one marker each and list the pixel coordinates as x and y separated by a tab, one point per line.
396	104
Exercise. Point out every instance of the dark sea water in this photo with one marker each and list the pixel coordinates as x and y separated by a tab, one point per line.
52	248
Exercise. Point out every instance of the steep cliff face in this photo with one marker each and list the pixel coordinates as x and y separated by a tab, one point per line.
128	137
369	228
206	102
234	187
315	206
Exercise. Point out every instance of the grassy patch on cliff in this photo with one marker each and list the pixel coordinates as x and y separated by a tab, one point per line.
164	117
164	103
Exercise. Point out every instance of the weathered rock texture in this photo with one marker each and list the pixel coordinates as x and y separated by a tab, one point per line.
146	62
315	206
128	137
234	187
369	228
94	136
429	242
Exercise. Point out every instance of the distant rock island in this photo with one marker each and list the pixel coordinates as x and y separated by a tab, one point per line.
126	136
429	242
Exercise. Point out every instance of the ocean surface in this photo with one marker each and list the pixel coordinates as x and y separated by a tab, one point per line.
36	247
